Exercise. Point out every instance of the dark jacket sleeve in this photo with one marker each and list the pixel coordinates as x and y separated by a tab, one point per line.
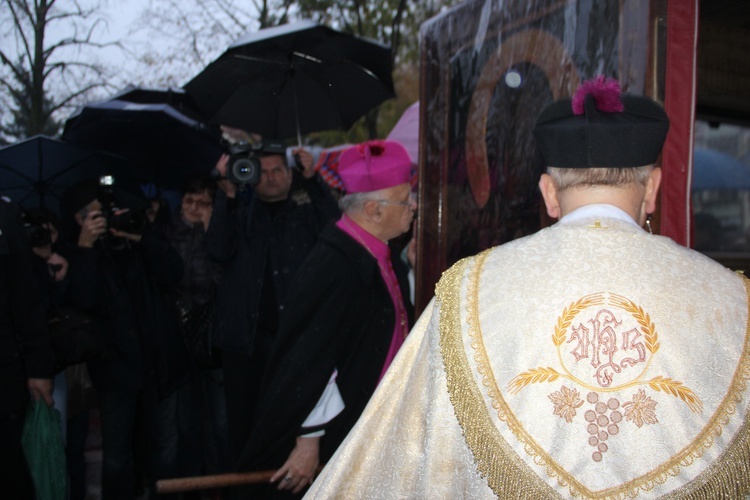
24	301
222	234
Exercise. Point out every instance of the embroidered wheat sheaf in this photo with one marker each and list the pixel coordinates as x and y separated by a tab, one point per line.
643	319
677	389
533	376
569	313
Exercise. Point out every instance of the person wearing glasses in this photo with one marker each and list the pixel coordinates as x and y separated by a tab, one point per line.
347	315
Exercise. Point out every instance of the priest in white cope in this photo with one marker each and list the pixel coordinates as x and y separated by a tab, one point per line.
592	359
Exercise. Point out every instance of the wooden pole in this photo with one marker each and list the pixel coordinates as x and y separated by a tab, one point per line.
164	486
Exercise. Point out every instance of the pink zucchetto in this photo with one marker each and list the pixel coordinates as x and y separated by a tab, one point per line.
374	165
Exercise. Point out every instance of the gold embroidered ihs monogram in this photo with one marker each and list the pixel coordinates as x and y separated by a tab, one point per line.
605	343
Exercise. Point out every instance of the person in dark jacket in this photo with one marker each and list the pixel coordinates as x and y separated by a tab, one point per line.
27	363
194	300
119	278
347	314
262	244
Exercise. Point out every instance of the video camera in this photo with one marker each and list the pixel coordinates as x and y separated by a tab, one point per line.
133	221
243	167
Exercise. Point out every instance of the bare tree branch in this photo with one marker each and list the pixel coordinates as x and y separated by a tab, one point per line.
41	75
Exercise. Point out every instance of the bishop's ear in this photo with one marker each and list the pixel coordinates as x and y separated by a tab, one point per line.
372	210
549	193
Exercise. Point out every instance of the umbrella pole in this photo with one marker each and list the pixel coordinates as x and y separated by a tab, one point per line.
296	113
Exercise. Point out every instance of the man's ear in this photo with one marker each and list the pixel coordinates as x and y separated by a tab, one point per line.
372	210
549	193
652	190
78	217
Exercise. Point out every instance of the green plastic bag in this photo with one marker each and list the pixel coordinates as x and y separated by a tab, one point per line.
45	452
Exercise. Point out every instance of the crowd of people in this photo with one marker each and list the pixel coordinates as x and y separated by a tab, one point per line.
270	327
190	312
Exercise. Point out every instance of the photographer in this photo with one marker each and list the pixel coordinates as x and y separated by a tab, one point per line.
118	271
262	243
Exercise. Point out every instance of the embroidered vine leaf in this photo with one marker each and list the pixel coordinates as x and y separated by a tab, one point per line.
565	403
533	376
678	390
640	410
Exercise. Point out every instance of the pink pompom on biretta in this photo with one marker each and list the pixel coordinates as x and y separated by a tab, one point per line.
605	91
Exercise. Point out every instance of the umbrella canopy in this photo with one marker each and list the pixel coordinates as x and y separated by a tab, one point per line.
177	98
714	170
294	79
153	136
35	172
406	132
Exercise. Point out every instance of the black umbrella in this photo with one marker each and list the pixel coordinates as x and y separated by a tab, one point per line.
176	97
35	172
153	136
294	79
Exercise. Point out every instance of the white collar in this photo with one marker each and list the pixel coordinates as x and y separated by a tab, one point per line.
598	210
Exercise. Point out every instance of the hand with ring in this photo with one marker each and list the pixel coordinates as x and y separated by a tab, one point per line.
298	471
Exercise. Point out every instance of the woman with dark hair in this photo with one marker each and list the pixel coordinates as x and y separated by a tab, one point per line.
193	298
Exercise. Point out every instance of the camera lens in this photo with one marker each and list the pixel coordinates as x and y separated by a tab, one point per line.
244	170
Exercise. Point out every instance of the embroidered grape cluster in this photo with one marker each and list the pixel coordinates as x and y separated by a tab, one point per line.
602	422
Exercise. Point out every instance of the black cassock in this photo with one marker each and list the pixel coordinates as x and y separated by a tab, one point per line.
339	315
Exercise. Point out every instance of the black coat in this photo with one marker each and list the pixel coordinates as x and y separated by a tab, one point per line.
339	315
243	238
201	276
124	289
25	350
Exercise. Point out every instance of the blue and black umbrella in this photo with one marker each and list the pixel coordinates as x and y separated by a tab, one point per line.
35	172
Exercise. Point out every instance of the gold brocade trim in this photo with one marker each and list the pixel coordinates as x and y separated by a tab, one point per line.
507	475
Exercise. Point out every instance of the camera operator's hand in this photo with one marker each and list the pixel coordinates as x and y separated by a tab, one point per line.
123	234
92	227
304	159
225	184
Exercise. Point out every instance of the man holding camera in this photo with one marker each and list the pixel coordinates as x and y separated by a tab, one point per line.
262	244
118	276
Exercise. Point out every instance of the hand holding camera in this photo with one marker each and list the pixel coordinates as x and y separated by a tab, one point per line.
93	227
222	181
